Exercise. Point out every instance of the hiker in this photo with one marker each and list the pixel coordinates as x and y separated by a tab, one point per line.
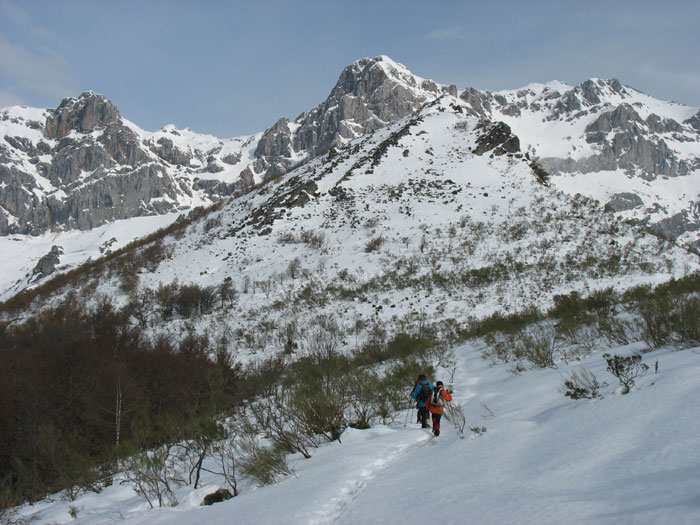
415	384
436	405
421	393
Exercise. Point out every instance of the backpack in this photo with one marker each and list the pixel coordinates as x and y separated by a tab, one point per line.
437	401
424	393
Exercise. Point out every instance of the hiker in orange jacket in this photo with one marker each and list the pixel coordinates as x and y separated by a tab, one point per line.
436	405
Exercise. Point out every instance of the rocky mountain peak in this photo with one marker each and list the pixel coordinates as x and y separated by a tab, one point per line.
369	94
373	78
84	114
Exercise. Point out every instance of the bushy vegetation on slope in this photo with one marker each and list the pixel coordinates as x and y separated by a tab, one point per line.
86	394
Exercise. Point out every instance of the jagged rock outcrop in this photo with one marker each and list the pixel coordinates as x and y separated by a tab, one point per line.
368	95
83	114
496	137
47	264
623	202
275	147
167	151
694	121
97	168
679	224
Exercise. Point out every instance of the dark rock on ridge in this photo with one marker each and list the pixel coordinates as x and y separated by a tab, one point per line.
47	264
84	114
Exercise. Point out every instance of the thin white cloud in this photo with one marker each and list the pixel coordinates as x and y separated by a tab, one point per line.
447	33
42	71
38	67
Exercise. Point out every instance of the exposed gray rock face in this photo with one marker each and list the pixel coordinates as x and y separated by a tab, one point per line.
275	147
167	151
680	223
639	156
496	137
100	171
624	202
47	264
84	114
369	94
478	101
231	159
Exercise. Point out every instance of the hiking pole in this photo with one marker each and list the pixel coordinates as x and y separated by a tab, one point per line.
406	420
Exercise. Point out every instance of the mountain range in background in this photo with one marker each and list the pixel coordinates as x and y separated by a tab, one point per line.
82	166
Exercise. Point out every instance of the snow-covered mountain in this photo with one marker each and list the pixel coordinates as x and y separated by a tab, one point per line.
438	215
415	209
83	167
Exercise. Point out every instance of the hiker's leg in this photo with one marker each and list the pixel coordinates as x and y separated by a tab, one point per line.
424	417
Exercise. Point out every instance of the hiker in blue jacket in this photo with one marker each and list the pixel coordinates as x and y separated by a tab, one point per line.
421	393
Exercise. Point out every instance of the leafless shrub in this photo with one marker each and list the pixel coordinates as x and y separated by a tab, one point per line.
374	244
286	238
226	454
454	413
294	268
540	347
272	416
581	384
312	238
154	475
500	348
488	413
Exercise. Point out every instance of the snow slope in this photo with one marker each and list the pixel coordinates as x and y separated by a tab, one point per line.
544	458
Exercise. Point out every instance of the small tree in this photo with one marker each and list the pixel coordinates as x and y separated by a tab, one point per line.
271	417
206	434
626	369
227	292
365	397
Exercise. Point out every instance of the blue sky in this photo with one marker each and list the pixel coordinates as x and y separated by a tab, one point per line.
232	68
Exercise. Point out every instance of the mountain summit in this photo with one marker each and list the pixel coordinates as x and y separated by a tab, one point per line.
369	94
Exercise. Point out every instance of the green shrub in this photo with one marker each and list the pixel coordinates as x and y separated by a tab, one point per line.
656	320
626	369
686	321
262	464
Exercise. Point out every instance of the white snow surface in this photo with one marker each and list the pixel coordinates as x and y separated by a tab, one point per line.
544	458
20	253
